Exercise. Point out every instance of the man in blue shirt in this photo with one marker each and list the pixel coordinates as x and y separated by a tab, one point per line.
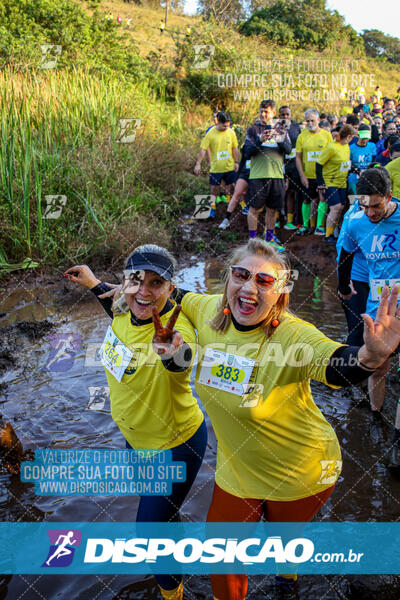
362	154
377	236
355	307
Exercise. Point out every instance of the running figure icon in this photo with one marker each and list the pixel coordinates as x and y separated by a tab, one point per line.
62	550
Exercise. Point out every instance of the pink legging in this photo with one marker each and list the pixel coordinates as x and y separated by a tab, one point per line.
227	508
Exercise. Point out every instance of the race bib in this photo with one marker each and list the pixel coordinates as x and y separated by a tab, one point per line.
345	166
226	372
248	164
313	155
115	356
270	144
377	286
223	155
291	155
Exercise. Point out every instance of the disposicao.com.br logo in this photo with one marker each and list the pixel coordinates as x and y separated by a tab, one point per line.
204	548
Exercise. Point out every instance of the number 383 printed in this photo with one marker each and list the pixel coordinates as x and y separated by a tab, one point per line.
228	373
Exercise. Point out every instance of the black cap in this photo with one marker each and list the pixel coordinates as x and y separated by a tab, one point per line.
151	261
395	147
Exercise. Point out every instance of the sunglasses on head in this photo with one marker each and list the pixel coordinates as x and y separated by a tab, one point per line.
241	275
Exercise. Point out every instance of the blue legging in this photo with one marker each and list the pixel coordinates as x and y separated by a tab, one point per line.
166	508
353	310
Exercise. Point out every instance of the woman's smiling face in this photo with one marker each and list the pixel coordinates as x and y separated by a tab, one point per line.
250	303
152	290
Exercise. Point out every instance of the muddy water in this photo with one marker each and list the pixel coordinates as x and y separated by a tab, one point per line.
48	400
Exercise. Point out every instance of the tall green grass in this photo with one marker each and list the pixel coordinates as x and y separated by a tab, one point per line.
58	135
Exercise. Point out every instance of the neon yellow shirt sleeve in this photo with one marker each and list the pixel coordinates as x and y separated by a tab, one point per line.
234	139
205	142
326	154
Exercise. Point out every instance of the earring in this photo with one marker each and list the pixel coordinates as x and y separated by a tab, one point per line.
227	310
275	321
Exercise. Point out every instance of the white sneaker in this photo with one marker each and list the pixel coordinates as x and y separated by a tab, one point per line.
224	224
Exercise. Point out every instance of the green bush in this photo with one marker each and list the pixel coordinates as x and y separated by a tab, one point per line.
86	40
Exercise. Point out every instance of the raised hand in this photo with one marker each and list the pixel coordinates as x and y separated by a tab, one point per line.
83	275
382	336
166	340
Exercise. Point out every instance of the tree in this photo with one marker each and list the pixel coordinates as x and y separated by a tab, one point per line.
227	11
301	24
255	5
378	44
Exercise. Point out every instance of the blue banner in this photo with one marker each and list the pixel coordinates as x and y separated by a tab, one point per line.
102	472
203	548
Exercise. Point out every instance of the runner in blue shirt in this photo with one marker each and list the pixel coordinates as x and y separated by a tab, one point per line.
362	154
377	235
355	307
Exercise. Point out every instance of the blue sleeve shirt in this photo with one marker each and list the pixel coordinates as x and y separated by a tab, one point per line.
362	156
379	243
359	269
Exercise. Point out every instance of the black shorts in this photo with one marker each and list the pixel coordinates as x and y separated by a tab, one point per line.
293	177
229	177
267	192
310	193
334	195
243	174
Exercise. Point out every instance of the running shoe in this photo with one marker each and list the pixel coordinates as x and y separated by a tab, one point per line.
286	589
330	239
277	244
221	199
218	199
303	230
245	210
319	231
224	224
290	227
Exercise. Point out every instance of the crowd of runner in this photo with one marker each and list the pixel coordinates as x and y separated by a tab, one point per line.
302	174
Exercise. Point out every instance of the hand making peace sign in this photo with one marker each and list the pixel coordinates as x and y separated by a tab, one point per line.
166	340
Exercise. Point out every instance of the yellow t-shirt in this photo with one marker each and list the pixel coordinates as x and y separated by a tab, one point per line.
394	171
153	407
335	159
346	110
273	443
221	144
311	145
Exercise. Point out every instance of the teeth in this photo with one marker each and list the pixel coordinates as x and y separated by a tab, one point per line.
142	302
247	300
